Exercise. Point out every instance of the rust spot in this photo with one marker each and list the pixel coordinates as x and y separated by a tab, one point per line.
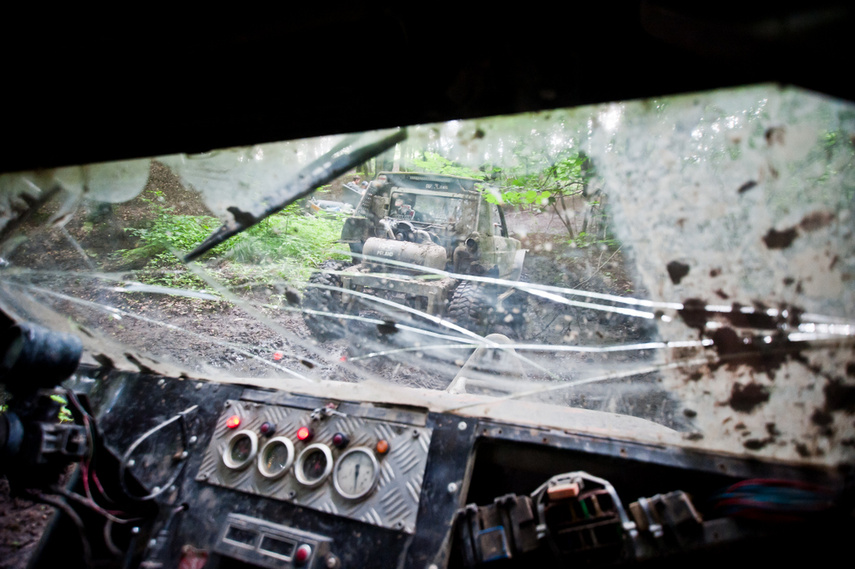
816	220
759	318
833	262
772	429
307	363
677	270
721	294
745	398
694	436
755	444
763	351
746	186
696	376
694	313
740	426
775	239
715	272
775	135
821	418
789	281
802	449
727	341
690	413
735	351
839	397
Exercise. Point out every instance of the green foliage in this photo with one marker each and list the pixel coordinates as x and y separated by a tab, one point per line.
64	413
168	232
540	182
584	239
288	234
529	197
290	243
436	164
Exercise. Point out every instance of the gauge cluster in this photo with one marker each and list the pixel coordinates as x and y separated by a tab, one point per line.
354	461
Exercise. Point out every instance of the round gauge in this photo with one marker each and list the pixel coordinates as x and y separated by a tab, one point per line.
276	457
313	465
241	450
356	473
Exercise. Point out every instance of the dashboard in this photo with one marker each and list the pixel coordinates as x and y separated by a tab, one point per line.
359	463
235	476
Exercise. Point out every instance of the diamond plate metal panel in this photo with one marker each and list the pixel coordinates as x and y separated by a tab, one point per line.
393	503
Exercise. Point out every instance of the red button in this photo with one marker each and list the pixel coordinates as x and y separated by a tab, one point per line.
301	556
304	433
340	440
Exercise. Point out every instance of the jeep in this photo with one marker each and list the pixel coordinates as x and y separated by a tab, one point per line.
413	239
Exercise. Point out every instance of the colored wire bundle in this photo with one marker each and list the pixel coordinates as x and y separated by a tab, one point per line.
96	499
773	500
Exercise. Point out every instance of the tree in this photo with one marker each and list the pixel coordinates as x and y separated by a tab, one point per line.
541	182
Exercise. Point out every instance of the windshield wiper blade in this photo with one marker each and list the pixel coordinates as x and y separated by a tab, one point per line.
326	168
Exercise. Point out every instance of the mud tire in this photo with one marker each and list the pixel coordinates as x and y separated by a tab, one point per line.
472	306
324	328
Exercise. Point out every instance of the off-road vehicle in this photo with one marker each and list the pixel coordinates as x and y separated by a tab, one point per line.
413	239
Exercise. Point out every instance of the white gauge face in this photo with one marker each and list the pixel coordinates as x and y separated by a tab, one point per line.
356	473
241	450
313	465
276	457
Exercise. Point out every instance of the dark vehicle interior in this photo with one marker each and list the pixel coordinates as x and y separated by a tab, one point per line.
176	468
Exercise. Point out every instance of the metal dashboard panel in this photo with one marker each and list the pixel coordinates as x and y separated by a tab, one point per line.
392	504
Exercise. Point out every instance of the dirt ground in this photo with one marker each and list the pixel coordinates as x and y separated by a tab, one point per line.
22	523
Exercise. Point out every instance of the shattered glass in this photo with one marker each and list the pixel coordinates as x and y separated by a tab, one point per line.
697	286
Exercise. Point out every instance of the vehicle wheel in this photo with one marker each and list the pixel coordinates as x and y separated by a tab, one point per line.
472	306
324	328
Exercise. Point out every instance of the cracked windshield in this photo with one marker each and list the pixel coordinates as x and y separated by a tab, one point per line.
686	261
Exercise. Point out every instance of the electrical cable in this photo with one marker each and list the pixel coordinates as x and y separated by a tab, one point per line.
108	539
773	500
78	522
124	463
92	505
88	464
